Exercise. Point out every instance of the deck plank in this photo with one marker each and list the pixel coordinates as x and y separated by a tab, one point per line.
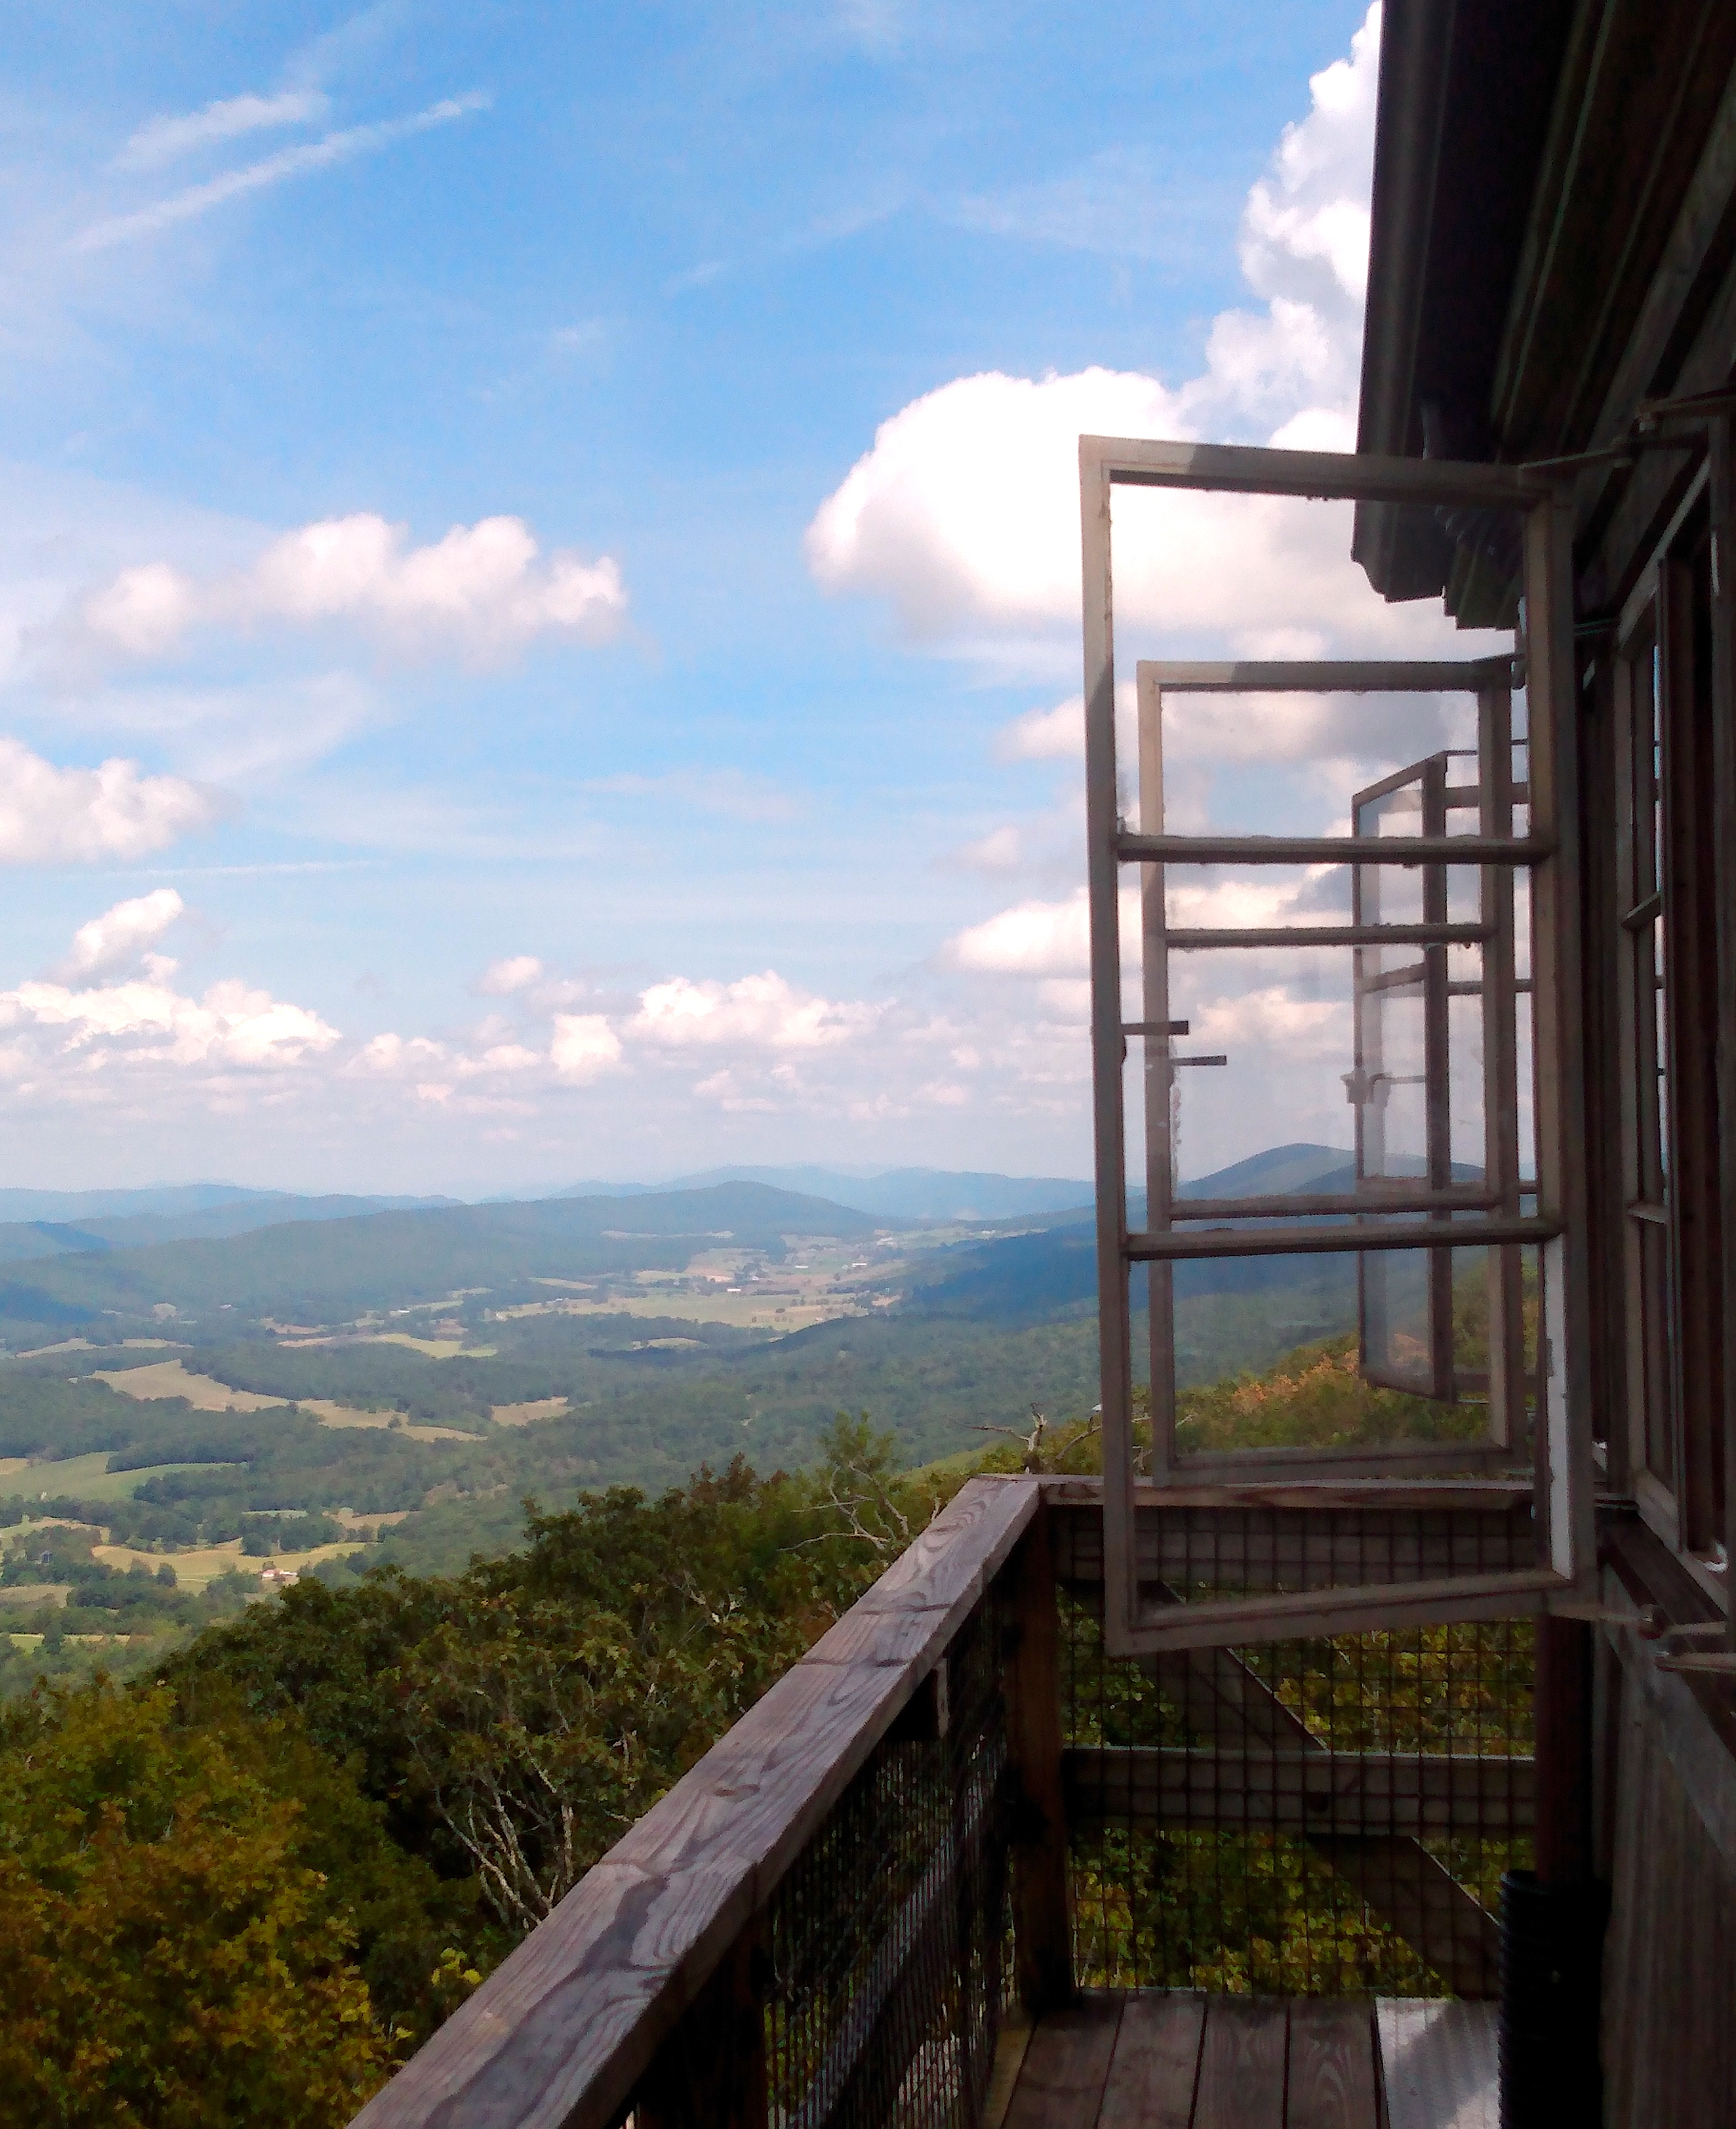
1440	2063
1242	2063
1066	2065
1331	2080
1156	2063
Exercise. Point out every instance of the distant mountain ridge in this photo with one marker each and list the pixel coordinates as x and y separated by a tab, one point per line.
904	1193
322	1260
941	1193
51	1223
1054	1271
334	1270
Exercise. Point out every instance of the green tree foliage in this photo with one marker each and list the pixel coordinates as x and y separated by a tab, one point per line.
513	1720
176	1955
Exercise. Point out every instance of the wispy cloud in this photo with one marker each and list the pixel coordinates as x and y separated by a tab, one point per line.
696	277
1119	205
165	139
339	147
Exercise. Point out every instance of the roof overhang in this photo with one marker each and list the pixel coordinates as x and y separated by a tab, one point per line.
1465	92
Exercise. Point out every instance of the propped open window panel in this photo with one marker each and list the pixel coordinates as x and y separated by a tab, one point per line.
1431	928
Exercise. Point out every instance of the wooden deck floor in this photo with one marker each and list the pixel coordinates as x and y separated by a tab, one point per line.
1182	2060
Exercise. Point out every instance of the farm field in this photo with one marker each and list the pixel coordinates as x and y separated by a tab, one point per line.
196	1567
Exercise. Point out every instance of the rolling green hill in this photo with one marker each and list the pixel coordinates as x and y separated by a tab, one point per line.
577	1344
334	1270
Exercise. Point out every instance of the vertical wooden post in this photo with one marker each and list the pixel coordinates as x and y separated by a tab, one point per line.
1042	1890
1721	450
711	2072
1563	1705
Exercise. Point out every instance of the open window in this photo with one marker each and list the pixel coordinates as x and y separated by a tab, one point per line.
1445	920
1667	979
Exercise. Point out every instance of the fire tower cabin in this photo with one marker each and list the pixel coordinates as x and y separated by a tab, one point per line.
1385	1772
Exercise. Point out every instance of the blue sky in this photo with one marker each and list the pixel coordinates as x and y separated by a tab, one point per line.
693	800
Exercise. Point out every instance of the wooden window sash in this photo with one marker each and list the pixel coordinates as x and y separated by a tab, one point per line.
1562	1503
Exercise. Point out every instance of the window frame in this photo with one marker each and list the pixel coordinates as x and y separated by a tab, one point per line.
1561	1488
1673	1398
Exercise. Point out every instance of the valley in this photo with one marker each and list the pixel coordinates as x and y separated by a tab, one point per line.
218	1415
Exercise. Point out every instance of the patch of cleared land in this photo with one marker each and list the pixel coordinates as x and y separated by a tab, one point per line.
436	1349
766	1305
343	1415
169	1379
35	1593
85	1345
199	1566
521	1415
86	1477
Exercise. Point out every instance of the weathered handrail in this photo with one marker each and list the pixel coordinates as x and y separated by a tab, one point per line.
560	2034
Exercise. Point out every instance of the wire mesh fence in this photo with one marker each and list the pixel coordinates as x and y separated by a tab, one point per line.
1306	1817
888	1941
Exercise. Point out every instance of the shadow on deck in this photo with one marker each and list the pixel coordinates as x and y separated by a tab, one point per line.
1182	2059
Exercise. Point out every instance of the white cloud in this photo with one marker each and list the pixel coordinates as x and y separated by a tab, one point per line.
1032	939
1056	735
1273	1020
147	1022
502	1057
1052	939
50	816
584	1046
484	588
517	973
108	942
761	1012
167	138
1000	851
340	147
394	1056
965	513
1305	233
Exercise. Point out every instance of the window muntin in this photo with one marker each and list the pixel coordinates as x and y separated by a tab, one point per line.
1543	1215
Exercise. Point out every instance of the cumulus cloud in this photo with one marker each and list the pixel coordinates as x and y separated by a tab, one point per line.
145	1022
517	973
1053	938
166	138
1031	939
1001	849
1056	735
120	935
53	815
396	1056
964	513
584	1046
485	590
962	516
761	1012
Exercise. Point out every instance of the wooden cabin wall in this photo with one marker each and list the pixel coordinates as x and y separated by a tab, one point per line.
1669	1987
1664	1750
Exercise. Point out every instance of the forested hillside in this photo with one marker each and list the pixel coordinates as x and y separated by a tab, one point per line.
385	1784
157	1455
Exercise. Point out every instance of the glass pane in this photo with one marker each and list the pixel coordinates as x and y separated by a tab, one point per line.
1305	1379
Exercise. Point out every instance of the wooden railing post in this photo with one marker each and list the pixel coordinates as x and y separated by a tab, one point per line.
711	2072
1042	1888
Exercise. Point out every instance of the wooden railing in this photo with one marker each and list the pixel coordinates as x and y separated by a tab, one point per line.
643	1991
823	1922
